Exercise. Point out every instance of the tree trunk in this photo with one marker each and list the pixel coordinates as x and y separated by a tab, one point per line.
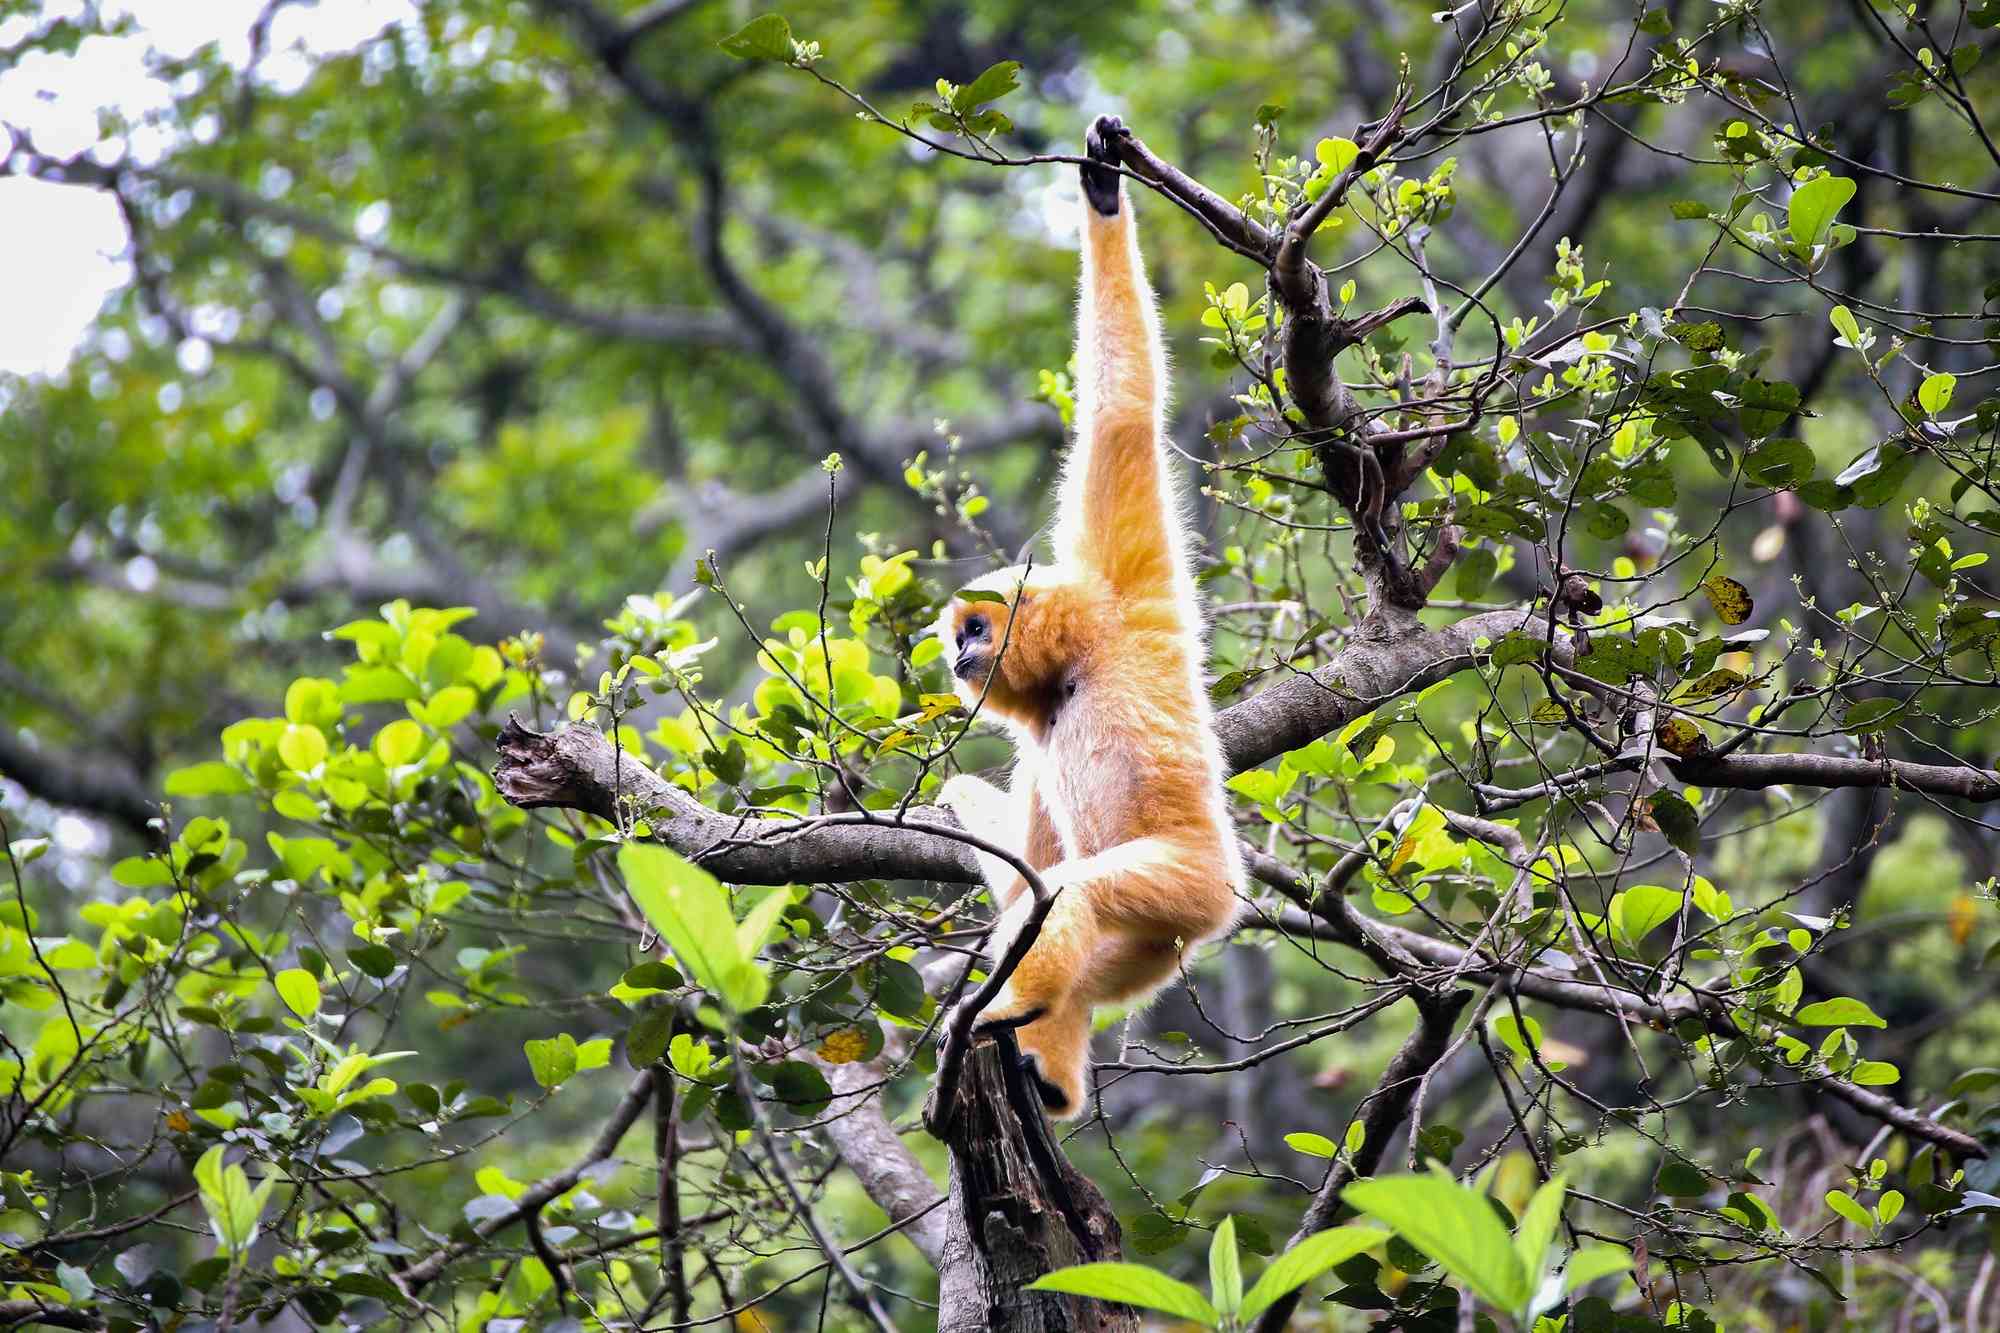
1018	1209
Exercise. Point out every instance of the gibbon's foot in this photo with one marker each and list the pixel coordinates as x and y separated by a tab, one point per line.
1100	144
1057	1100
1005	1013
1002	1015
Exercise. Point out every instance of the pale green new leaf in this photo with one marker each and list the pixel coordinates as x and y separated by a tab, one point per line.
1454	1226
1304	1262
299	990
691	912
1841	1011
1846	325
1593	1262
755	931
1844	1203
1815	205
1934	394
1131	1284
1225	1269
1537	1228
552	1060
1642	909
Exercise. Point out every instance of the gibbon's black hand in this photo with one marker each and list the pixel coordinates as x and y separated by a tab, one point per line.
1100	144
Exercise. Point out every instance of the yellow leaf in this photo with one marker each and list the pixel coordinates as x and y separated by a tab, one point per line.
1961	918
843	1046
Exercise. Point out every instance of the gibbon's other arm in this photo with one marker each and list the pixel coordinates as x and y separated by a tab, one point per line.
1115	515
1016	819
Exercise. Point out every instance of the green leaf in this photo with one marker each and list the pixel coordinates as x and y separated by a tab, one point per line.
1336	155
899	988
1982	1079
1680	1180
450	706
1843	1203
1313	1145
1677	820
553	1059
766	38
1537	1228
1934	394
1225	1269
1780	462
755	930
1304	1262
1875	1074
1844	323
1131	1284
375	960
1642	909
996	81
299	989
800	1086
1889	1207
646	1040
1593	1262
1870	714
1814	206
1454	1226
1843	1012
399	743
302	747
691	912
213	778
1475	573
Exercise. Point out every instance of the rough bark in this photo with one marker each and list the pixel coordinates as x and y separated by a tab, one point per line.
575	768
1017	1210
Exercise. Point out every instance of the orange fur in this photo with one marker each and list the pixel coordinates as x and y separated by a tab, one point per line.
1095	665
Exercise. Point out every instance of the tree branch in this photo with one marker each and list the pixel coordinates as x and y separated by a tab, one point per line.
101	784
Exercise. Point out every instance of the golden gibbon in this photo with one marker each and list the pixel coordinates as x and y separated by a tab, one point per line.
1094	664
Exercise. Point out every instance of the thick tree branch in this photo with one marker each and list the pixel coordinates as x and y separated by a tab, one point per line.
576	768
870	1147
101	784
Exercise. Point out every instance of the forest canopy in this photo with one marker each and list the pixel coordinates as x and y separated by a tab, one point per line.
470	731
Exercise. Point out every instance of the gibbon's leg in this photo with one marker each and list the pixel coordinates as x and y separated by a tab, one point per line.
1115	515
1139	887
1115	932
1055	1048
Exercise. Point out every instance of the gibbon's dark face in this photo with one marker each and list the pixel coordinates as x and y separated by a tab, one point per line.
973	640
972	632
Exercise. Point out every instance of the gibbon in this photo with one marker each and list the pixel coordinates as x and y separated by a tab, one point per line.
1094	664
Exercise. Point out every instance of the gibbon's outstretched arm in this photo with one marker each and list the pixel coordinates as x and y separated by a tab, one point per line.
1116	517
